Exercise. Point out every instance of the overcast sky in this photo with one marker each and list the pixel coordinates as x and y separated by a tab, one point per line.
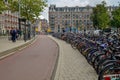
73	3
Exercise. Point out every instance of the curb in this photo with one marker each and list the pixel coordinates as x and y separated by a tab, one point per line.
56	63
9	52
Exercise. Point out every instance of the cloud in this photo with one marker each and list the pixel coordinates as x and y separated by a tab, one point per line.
112	2
45	13
41	17
62	3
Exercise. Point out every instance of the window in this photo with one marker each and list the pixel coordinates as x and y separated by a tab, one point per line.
76	16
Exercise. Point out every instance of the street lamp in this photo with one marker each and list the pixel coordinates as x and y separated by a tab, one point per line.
19	7
28	25
19	15
33	30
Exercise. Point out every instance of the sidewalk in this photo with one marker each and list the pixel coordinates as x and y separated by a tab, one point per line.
7	46
72	65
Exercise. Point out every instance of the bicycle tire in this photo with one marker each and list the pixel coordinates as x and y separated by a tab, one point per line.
96	59
89	58
106	64
101	74
85	53
73	45
100	64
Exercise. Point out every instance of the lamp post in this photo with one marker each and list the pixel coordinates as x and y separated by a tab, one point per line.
19	16
19	7
29	30
34	30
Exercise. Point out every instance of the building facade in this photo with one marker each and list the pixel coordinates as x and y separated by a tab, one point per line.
75	18
44	24
69	18
8	20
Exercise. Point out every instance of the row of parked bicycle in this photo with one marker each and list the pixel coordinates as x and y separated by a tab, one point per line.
102	52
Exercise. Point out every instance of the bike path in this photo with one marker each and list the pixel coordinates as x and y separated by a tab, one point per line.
35	62
72	65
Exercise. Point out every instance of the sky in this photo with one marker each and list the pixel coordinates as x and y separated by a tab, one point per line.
73	3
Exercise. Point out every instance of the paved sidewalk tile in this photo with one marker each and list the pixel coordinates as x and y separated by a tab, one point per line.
6	44
72	65
8	47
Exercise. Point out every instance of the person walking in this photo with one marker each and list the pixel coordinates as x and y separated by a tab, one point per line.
13	34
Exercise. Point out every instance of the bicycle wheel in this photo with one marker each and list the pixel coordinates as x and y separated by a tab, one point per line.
96	59
83	49
100	64
73	44
80	46
105	63
90	56
108	70
85	53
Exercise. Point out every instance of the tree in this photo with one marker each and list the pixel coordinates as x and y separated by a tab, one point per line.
94	17
29	9
115	22
2	6
100	16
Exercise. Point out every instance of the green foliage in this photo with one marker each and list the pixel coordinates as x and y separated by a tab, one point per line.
28	8
116	18
100	16
3	6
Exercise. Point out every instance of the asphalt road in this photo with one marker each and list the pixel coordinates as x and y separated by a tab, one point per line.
35	62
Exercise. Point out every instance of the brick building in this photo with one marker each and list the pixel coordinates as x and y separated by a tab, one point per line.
44	24
7	21
75	18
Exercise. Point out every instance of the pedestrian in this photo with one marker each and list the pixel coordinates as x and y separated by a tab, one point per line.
13	34
63	30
